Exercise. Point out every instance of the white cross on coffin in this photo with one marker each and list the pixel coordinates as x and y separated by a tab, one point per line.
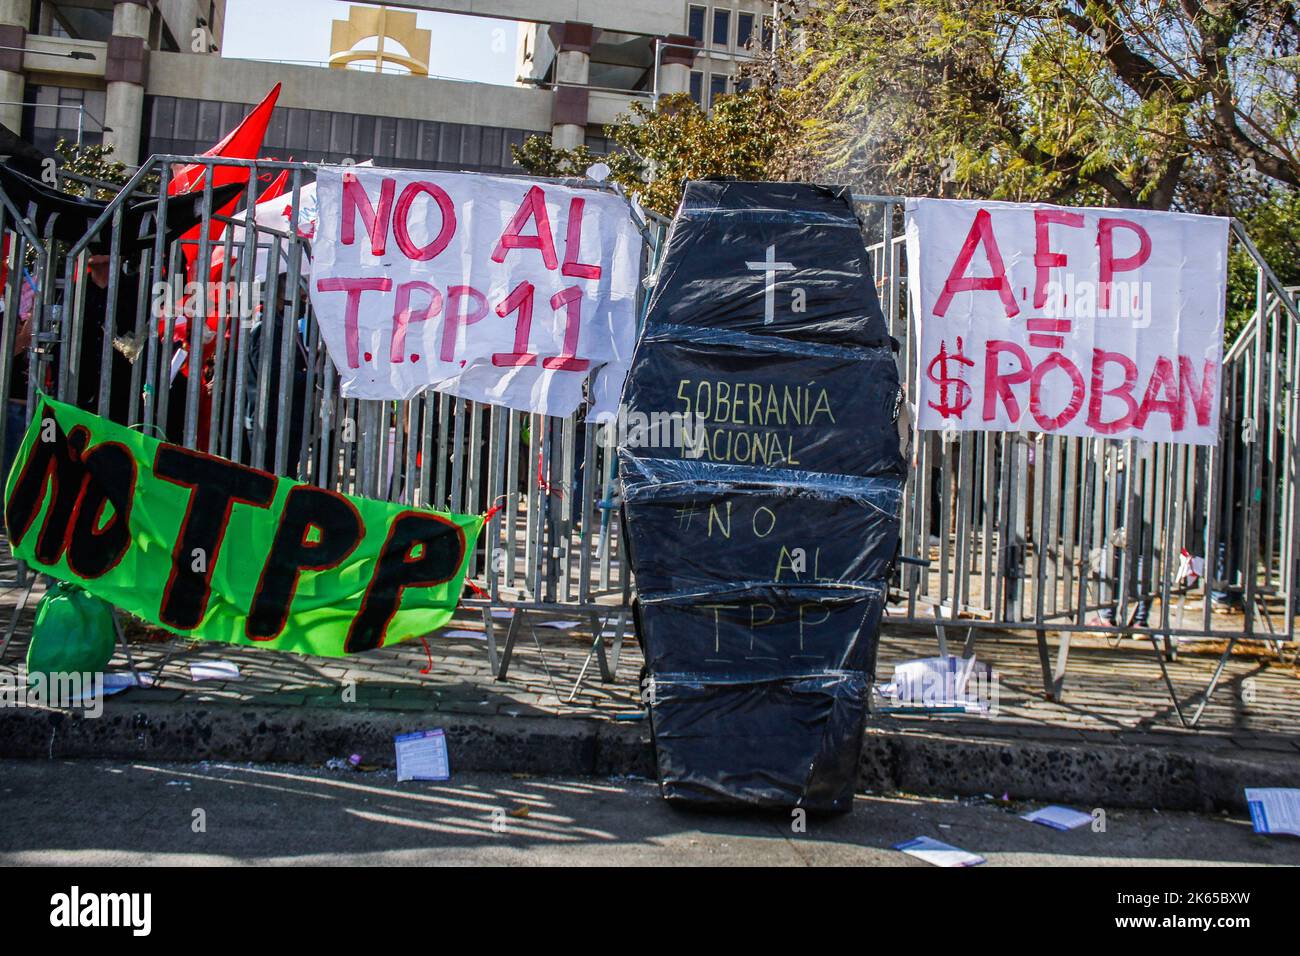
770	267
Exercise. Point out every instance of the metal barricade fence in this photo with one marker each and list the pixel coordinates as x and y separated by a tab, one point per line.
274	394
1040	532
1059	534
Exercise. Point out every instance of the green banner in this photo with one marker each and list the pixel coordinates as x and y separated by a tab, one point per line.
210	549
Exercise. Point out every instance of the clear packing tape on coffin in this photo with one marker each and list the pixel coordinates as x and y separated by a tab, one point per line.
761	481
798	528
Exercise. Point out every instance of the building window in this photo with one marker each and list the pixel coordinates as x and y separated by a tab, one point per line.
697	87
61	112
744	29
173	127
695	22
721	27
717	87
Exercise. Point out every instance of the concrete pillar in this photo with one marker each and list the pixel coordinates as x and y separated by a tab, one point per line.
676	57
573	43
14	17
125	71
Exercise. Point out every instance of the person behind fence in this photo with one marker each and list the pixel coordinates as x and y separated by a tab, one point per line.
122	353
264	336
1234	469
16	404
1138	575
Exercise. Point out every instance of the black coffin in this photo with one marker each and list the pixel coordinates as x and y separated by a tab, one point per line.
762	527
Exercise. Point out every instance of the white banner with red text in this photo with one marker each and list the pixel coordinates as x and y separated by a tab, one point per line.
508	291
1068	321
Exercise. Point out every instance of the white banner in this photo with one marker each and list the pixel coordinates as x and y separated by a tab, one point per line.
507	291
1070	321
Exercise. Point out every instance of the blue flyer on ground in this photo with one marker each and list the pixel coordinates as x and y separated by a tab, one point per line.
422	756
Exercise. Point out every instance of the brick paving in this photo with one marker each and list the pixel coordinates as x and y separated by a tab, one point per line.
1113	690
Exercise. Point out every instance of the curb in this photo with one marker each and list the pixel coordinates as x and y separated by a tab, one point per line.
312	735
1166	777
931	763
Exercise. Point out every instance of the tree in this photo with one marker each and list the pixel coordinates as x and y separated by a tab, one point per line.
658	149
92	163
1273	224
1138	103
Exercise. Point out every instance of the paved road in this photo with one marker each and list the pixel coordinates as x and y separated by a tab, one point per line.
105	813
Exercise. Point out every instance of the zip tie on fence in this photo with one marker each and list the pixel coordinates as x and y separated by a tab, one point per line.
542	484
429	654
495	509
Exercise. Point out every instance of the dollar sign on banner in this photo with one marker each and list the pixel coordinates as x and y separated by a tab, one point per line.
945	380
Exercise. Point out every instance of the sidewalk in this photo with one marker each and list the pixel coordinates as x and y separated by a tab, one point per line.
1113	740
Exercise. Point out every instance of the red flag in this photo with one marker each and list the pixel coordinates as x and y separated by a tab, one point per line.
243	142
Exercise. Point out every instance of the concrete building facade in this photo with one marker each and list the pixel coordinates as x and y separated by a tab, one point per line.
148	76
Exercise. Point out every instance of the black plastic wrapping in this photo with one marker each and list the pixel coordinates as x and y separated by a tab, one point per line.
763	530
771	743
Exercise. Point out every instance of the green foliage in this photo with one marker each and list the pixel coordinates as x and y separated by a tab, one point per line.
1140	103
658	150
90	162
1273	224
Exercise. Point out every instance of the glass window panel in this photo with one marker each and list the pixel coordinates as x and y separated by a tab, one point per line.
209	125
471	145
449	146
491	152
295	138
318	135
744	28
164	115
695	23
697	86
276	130
96	101
341	133
385	137
721	27
407	146
514	137
428	140
231	114
187	119
717	86
363	138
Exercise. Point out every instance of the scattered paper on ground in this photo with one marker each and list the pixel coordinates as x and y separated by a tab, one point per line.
214	670
1274	809
938	684
422	756
938	852
1058	818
